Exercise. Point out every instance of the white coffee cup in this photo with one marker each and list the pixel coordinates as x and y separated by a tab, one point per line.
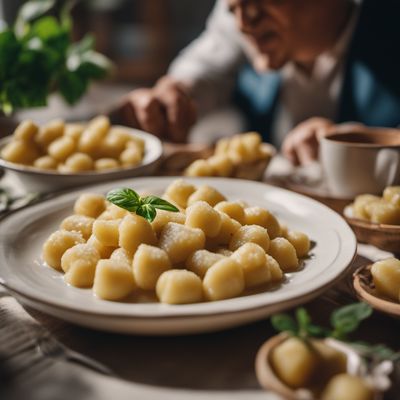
360	162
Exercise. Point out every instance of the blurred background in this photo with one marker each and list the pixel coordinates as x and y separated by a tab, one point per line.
140	36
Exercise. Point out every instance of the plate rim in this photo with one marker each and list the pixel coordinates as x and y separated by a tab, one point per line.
37	297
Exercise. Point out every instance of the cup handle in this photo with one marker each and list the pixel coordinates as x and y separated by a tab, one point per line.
387	167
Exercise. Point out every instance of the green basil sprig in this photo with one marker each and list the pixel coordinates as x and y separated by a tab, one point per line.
146	207
343	320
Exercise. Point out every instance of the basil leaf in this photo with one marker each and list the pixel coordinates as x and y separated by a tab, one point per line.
317	331
303	318
348	318
125	198
284	323
147	211
161	204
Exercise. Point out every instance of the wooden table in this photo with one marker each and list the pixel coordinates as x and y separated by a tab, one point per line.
222	361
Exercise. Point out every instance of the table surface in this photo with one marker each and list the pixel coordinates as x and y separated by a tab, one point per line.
220	362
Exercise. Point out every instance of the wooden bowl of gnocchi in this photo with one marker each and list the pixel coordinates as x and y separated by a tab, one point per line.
378	285
234	252
242	156
319	369
376	219
58	155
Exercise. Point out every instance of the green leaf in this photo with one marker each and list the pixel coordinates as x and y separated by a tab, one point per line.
81	47
46	28
317	331
34	8
29	12
65	15
9	51
125	198
147	211
159	203
34	58
303	318
284	323
72	86
378	352
348	318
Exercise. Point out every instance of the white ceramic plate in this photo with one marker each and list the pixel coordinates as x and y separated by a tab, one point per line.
37	180
23	273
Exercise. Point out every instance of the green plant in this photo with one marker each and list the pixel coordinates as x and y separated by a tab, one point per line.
37	57
344	321
146	207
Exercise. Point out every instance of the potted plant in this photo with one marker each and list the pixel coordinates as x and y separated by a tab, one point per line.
38	57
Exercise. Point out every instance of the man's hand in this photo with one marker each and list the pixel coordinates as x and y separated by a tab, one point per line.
166	110
301	144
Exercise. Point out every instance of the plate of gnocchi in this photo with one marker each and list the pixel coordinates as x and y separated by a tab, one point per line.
59	154
165	255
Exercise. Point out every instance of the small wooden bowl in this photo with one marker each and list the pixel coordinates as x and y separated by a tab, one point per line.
178	157
254	170
269	380
365	289
385	237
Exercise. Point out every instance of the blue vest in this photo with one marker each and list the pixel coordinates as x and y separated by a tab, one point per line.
370	93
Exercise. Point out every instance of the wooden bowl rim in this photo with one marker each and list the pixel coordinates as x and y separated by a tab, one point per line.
371	226
266	375
361	281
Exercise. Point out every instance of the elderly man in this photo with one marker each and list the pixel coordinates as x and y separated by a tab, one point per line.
294	67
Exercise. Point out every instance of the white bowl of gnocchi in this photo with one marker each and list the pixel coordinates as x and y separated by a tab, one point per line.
232	252
58	155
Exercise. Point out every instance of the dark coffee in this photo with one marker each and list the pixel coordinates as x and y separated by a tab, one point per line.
370	138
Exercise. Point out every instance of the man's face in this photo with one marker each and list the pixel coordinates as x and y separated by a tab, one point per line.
282	30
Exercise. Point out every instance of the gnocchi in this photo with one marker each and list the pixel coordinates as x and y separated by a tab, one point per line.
78	223
200	253
344	386
386	277
113	280
233	209
149	263
202	215
253	261
284	253
79	263
201	260
179	286
72	148
250	233
294	363
240	156
90	205
379	210
57	244
223	280
180	241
